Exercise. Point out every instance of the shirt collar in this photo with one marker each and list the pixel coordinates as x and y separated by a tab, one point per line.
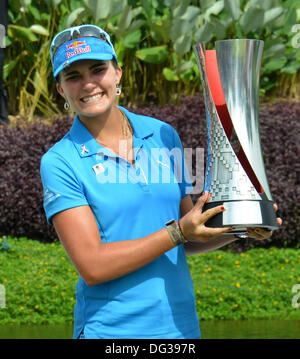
86	144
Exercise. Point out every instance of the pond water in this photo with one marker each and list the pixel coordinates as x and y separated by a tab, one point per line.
247	329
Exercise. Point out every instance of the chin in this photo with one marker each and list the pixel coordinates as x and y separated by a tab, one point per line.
94	112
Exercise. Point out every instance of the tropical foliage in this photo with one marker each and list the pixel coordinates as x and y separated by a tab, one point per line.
153	40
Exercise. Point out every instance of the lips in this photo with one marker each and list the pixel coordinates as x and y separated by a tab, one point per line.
90	98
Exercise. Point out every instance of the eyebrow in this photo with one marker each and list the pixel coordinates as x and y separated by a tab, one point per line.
99	63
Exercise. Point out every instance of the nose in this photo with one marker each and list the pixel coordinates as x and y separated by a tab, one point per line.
88	82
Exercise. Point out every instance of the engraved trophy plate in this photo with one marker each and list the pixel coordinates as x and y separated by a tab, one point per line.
235	172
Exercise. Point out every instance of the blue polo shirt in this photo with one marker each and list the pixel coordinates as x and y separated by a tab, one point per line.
128	202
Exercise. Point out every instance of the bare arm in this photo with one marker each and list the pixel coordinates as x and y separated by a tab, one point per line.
99	262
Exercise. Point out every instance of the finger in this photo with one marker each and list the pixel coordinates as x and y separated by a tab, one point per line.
275	207
253	234
209	232
259	233
202	200
279	221
209	213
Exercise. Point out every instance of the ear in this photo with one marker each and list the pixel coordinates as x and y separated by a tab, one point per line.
118	75
60	90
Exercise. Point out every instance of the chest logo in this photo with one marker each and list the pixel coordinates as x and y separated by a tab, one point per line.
84	149
98	168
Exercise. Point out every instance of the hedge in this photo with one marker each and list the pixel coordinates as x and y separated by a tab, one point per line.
23	144
39	282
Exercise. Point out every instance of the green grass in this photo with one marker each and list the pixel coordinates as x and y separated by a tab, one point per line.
254	284
39	282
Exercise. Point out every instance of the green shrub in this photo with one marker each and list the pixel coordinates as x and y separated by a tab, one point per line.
255	284
40	283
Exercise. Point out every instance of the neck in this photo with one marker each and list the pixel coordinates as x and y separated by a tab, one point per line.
111	126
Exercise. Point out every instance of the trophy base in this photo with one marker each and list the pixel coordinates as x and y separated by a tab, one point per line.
242	215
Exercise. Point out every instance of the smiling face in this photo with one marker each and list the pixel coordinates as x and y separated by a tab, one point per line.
89	86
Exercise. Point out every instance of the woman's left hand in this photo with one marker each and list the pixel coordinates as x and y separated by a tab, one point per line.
262	233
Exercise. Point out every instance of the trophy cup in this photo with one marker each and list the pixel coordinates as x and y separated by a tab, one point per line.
235	173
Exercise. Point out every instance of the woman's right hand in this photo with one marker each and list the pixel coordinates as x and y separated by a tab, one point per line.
193	226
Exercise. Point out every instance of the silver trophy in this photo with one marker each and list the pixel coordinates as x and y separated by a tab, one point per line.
235	172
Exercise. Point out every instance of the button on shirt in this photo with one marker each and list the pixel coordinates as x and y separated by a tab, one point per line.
128	202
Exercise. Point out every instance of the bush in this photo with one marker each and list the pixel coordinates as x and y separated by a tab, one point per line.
22	146
21	193
40	283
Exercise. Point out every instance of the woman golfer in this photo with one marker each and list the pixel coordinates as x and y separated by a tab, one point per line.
115	187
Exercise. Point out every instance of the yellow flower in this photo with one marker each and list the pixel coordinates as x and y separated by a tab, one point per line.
21	308
237	285
198	291
263	281
45	270
36	307
219	256
221	299
275	303
71	299
198	301
236	262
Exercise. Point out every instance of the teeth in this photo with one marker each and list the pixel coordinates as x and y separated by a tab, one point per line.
87	99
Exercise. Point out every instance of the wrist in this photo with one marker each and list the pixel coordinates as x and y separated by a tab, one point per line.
175	232
180	228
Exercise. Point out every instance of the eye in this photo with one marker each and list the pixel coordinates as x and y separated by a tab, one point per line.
73	77
99	69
